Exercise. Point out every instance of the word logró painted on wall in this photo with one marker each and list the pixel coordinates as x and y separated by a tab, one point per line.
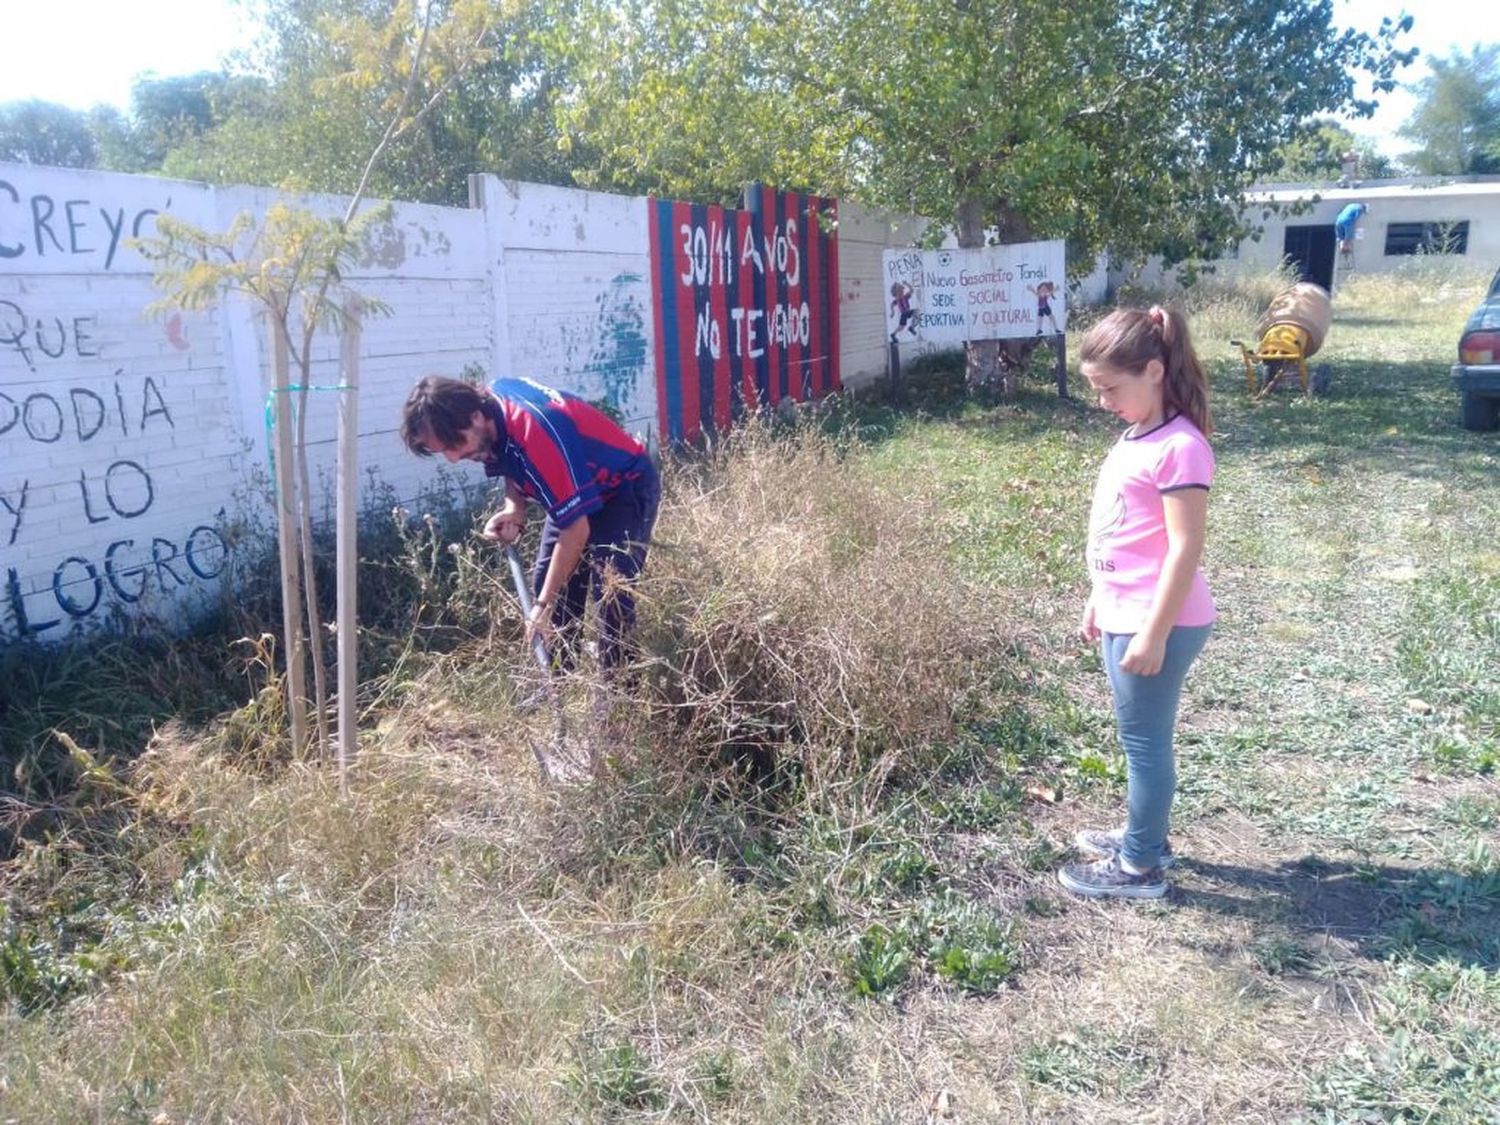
746	306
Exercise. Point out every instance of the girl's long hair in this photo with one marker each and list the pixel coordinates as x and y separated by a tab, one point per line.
1128	339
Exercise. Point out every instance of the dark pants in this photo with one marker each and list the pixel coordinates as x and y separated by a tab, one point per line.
619	534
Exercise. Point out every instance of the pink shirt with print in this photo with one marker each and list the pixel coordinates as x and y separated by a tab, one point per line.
1127	528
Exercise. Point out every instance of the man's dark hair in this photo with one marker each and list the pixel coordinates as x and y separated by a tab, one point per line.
440	407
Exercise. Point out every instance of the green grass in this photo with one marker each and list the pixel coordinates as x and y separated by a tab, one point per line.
817	882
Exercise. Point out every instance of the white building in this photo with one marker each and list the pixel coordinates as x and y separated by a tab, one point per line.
1459	216
1433	214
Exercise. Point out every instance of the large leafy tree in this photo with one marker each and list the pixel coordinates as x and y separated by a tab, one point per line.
38	132
1317	152
1457	119
171	112
166	114
1128	124
327	97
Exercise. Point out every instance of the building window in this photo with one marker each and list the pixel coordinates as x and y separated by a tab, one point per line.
1427	238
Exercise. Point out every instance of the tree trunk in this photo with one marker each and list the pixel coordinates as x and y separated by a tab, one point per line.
993	366
1015	355
309	564
981	357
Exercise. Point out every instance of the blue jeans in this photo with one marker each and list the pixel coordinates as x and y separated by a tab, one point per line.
1146	710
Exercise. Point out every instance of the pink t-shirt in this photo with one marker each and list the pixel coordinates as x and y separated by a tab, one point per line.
1128	532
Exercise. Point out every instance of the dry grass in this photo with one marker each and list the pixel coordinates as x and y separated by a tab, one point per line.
868	929
797	616
454	941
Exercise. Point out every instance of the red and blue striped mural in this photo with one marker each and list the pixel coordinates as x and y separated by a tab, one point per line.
746	307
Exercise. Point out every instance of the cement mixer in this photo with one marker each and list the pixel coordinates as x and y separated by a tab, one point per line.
1291	330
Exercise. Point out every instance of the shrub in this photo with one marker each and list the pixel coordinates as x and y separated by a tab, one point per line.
797	615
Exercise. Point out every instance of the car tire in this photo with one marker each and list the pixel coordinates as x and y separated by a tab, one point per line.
1479	412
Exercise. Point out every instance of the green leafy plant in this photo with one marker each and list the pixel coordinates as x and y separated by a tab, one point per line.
967	945
617	1075
880	962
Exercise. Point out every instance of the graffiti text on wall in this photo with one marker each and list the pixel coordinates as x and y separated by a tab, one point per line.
44	227
746	306
53	482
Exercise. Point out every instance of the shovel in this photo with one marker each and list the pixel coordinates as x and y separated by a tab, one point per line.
523	595
544	662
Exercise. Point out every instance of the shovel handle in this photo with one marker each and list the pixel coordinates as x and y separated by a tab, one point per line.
523	595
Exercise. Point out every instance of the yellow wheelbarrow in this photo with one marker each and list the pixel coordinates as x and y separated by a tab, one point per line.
1291	330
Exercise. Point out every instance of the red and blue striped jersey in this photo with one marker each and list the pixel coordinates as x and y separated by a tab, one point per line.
558	450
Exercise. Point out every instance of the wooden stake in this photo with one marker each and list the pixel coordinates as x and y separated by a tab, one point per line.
348	540
1060	342
286	539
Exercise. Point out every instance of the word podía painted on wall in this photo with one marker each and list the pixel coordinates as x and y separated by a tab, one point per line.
83	413
746	306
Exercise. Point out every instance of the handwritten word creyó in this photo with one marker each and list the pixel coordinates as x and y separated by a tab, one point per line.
53	228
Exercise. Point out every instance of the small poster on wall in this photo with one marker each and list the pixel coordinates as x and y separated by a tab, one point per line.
986	293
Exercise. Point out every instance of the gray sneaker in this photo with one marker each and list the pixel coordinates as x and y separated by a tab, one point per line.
1105	878
1100	843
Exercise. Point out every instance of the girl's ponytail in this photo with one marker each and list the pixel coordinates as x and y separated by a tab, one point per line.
1185	386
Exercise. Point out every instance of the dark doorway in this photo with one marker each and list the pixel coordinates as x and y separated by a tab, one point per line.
1310	250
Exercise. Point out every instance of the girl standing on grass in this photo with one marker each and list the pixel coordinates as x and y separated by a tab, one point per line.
1150	609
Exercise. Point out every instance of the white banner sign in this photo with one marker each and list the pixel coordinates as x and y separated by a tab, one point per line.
989	293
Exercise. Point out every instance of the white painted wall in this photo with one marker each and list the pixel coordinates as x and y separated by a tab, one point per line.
122	438
128	442
864	235
572	274
428	267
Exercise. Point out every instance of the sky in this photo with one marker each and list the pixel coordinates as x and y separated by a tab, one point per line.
1440	27
82	52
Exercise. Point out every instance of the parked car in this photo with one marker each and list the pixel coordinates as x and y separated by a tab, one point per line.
1477	372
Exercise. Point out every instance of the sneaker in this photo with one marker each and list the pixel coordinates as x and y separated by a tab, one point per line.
1105	878
1095	842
